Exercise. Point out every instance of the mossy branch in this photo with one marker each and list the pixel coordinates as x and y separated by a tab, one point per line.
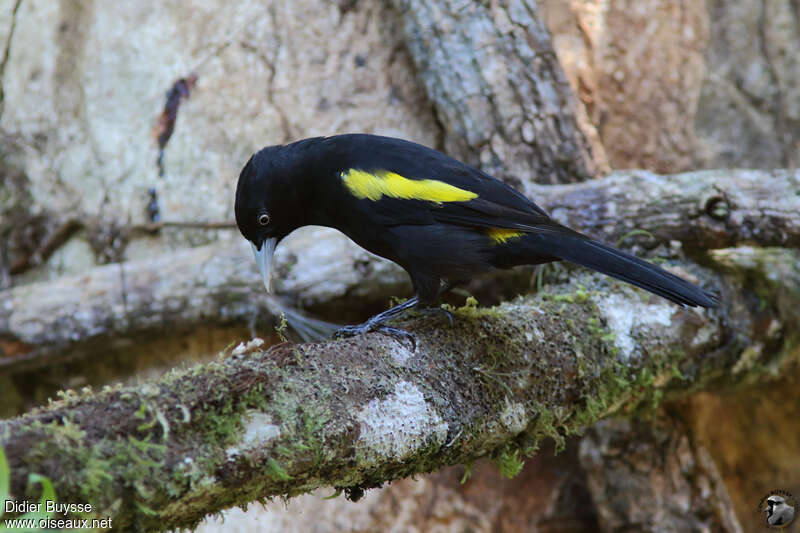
218	284
359	412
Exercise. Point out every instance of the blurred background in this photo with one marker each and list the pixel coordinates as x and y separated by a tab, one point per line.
124	125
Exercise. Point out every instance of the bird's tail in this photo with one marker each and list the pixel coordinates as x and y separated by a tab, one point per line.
626	267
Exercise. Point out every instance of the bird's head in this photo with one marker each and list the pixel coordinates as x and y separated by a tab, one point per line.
266	206
773	503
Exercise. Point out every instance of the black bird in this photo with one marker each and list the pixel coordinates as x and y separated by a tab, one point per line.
438	218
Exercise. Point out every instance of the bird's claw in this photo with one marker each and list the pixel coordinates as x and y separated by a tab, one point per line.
396	333
399	335
350	331
439	311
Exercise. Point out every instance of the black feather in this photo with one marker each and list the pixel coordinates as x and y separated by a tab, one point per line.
623	266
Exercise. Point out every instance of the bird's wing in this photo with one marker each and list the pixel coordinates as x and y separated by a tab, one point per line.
406	183
486	213
461	196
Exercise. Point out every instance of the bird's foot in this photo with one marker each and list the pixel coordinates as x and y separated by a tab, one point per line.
438	312
369	326
377	323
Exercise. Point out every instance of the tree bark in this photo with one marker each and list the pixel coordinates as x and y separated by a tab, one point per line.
677	485
498	89
703	210
218	284
356	413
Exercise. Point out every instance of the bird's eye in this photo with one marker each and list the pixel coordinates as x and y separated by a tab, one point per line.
263	219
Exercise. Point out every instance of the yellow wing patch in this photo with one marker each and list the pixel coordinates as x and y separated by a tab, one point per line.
375	185
501	235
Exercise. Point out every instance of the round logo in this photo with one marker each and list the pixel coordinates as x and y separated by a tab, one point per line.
778	509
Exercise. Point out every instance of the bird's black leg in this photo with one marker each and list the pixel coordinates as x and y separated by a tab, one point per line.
376	323
438	311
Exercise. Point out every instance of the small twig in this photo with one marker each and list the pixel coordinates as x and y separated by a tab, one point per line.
154	227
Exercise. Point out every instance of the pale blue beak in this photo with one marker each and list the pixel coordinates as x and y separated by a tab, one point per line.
264	260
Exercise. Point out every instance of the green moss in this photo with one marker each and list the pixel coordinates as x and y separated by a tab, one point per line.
472	311
548	425
281	328
48	493
312	437
467	472
257	398
470	304
508	462
133	459
607	384
491	375
220	424
578	296
98	478
468	310
276	471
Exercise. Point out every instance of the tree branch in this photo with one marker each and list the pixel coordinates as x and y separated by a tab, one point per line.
353	413
218	284
356	413
703	210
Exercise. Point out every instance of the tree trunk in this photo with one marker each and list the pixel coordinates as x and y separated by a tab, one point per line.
676	483
498	90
